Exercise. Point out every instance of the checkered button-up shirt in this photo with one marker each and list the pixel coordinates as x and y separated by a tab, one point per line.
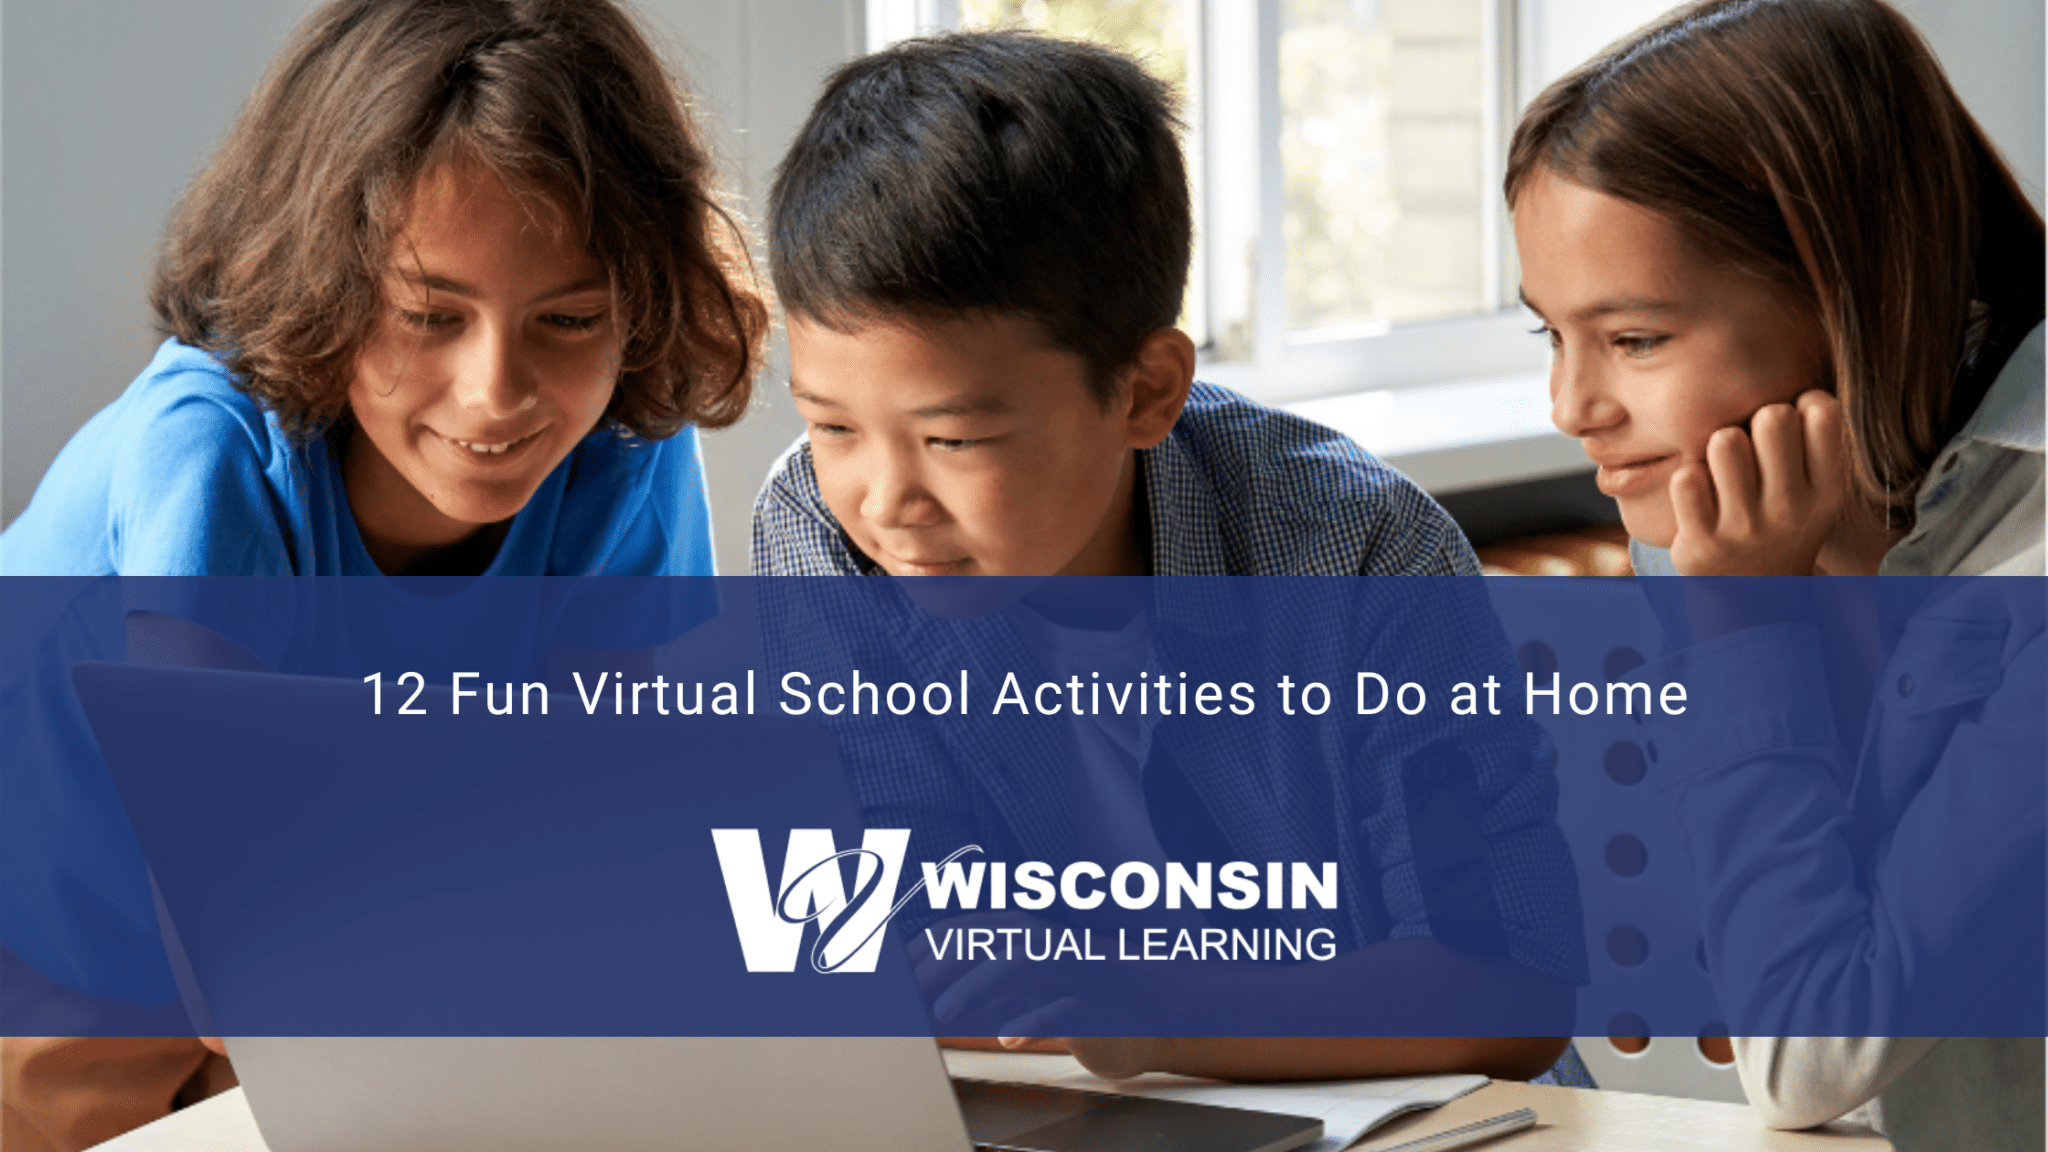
1237	489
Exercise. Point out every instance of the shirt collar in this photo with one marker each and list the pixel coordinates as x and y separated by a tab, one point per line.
2010	414
1186	539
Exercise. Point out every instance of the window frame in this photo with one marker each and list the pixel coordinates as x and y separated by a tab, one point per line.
1236	43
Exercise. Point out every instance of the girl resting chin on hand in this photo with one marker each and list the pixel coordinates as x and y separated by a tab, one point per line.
1795	301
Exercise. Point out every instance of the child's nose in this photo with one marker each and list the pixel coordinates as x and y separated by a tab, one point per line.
895	497
1580	404
495	380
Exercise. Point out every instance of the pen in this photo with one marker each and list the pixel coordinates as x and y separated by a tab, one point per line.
1471	1134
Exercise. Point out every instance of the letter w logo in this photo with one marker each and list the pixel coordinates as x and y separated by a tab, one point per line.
771	925
771	922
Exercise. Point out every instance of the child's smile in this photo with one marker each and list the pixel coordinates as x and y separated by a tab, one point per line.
1622	476
496	356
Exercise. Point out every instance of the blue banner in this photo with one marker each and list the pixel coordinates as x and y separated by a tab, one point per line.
1394	806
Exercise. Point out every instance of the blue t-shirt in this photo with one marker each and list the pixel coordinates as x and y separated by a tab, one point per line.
184	475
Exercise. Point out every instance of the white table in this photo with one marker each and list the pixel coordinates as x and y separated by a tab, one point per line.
1571	1120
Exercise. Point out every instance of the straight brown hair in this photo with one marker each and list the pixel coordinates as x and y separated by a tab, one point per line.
1817	143
274	257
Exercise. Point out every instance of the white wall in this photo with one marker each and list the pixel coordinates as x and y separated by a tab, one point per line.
108	106
757	65
1992	50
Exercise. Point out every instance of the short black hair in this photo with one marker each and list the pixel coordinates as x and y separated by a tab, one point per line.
983	173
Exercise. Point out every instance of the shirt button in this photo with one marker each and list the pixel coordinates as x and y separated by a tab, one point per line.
1905	684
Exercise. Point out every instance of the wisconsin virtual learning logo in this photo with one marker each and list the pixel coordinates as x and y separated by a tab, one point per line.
772	922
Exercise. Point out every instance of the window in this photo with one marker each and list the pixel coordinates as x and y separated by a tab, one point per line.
1340	155
1382	144
1351	241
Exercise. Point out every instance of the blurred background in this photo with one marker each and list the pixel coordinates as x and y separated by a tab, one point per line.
1354	261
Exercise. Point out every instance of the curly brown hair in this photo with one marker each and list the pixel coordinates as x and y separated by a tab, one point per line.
274	257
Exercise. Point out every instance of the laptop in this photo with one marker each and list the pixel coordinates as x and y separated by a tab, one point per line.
313	879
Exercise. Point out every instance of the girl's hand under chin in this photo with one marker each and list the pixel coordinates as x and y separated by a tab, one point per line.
1764	503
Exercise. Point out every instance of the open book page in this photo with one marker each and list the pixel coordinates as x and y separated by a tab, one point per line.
1348	1108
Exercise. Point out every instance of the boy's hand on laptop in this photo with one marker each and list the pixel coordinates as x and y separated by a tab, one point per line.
990	983
1003	1044
973	986
1110	1057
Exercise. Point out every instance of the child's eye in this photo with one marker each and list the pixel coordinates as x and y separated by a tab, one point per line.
945	445
427	321
831	431
1635	345
573	323
1548	332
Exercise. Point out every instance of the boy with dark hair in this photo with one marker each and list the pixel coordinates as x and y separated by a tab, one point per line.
981	242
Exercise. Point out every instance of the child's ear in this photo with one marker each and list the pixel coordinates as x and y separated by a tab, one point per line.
1157	384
